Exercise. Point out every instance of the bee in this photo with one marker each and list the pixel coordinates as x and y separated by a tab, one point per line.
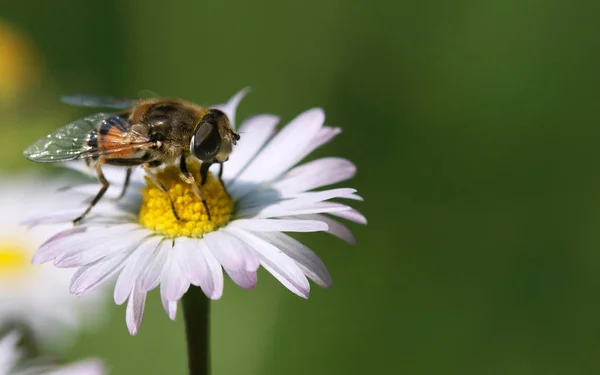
146	133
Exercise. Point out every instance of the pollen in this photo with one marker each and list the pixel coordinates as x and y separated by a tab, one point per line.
13	259
157	214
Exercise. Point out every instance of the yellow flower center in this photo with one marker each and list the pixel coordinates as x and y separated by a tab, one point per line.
13	259
157	214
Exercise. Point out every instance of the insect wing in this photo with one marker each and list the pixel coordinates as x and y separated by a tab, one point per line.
67	143
98	101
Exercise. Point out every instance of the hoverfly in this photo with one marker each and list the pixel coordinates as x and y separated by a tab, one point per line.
147	133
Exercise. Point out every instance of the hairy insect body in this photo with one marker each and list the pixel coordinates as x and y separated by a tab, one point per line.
147	133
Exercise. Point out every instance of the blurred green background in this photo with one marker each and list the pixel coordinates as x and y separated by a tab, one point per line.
474	128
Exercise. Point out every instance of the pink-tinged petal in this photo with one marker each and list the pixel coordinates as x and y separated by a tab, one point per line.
108	242
191	262
282	152
58	217
212	282
310	264
170	307
355	197
135	311
88	277
335	227
243	278
151	276
58	243
278	225
172	310
135	266
230	252
314	174
319	196
230	108
303	202
351	215
174	284
325	135
281	266
254	132
200	267
283	210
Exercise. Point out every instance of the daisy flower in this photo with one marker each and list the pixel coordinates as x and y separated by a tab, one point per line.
11	362
266	195
36	298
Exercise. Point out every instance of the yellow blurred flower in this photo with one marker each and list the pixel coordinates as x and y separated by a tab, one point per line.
19	67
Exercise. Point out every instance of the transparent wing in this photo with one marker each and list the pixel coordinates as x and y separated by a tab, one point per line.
82	100
66	143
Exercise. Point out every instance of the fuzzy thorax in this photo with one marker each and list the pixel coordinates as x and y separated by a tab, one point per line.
157	215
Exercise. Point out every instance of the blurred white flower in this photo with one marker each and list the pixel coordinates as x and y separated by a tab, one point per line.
12	363
36	298
143	242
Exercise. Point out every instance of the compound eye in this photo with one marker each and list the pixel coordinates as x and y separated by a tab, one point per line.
206	142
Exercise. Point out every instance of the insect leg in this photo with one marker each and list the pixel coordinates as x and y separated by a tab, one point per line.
221	179
189	178
160	185
126	183
99	195
204	172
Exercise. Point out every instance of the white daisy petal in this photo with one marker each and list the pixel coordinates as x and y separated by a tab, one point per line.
254	132
170	307
57	217
243	278
266	207
319	196
351	215
302	200
174	284
135	311
314	174
281	266
191	262
230	107
307	260
355	197
150	278
80	256
135	266
49	250
212	280
172	310
88	277
232	253
282	152
282	210
325	135
335	227
279	225
200	267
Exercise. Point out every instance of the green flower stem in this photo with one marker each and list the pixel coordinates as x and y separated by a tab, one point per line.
197	327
